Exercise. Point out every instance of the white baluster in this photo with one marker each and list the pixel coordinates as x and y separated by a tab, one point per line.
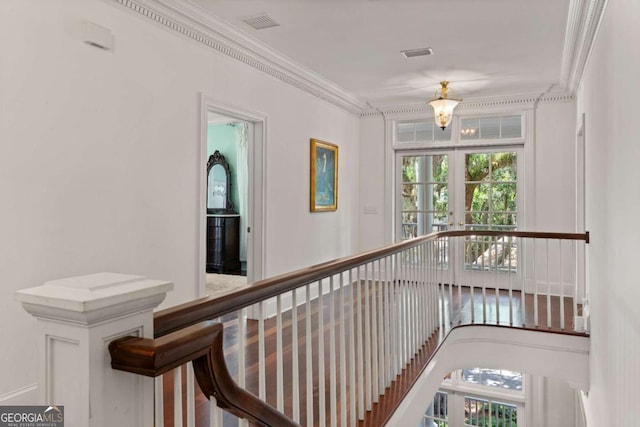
159	401
343	353
548	286
215	413
352	354
381	322
535	286
279	362
262	383
191	396
523	275
295	372
360	357
367	341
497	263
374	334
309	356
574	257
511	280
333	403
177	397
471	285
561	287
322	408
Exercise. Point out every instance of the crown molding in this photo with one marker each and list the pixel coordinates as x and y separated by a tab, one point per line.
583	23
195	23
524	101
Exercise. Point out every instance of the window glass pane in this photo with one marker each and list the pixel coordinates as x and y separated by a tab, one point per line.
490	128
500	378
503	197
442	135
504	166
511	127
405	132
410	166
424	131
437	413
469	129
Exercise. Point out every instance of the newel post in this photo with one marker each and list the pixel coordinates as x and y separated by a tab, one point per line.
77	317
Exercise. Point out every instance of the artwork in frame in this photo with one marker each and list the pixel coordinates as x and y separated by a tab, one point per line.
324	176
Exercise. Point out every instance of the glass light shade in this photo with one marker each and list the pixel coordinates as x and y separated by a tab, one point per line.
443	110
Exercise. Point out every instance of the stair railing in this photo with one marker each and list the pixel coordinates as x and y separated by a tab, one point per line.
322	345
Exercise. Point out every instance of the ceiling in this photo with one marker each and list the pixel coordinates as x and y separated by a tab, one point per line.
483	47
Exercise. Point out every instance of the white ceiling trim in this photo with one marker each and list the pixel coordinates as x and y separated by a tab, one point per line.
510	102
582	26
193	22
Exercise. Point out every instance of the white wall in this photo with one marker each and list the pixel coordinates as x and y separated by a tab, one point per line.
555	134
99	159
374	223
609	98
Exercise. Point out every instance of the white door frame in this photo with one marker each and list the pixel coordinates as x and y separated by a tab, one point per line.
256	199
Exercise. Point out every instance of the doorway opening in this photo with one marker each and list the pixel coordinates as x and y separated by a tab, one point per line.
231	237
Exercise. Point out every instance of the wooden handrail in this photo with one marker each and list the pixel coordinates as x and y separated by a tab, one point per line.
193	312
202	344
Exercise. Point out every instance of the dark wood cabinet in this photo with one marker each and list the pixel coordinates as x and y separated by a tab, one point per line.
223	243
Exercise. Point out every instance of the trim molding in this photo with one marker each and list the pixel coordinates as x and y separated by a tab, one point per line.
583	23
519	101
200	26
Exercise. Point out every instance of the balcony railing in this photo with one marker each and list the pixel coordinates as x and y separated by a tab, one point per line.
324	345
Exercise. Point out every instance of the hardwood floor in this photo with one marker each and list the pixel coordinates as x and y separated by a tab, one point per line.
457	309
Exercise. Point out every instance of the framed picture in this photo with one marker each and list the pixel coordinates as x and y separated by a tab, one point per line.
324	176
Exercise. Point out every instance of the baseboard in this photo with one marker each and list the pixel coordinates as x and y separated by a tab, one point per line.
27	395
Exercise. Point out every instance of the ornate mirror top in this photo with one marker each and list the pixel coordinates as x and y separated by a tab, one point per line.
218	185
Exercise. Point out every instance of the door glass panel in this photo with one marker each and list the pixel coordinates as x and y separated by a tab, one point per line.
490	204
425	194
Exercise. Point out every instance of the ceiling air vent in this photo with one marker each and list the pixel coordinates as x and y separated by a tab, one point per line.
417	52
260	22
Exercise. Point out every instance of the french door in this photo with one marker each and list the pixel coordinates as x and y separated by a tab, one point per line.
464	189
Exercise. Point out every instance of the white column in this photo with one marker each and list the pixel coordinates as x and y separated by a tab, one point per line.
77	317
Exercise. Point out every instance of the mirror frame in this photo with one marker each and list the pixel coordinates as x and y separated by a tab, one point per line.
218	159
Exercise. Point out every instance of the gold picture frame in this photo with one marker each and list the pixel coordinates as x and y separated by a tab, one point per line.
324	176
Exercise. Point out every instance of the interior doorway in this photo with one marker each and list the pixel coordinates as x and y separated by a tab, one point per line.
231	237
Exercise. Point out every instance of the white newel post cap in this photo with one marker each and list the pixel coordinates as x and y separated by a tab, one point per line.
77	319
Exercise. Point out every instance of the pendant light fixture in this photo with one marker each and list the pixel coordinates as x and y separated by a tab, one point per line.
443	106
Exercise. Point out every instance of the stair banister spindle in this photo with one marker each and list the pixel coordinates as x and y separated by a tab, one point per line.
158	401
510	278
352	352
381	322
279	357
333	405
546	243
360	350
262	383
308	337
322	406
471	284
191	396
343	352
374	331
523	287
535	285
482	277
177	396
295	371
574	257
562	326
497	263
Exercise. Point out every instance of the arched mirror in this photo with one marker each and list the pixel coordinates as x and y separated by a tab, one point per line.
218	185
